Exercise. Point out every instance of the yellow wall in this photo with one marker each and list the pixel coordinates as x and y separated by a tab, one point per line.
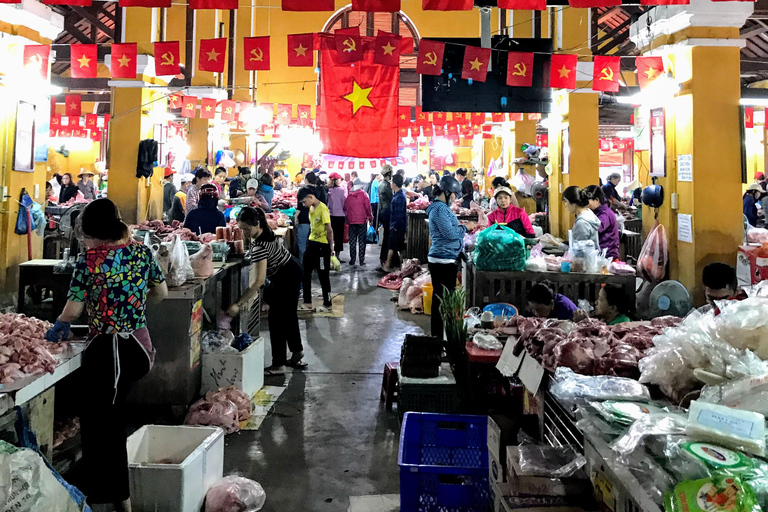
77	159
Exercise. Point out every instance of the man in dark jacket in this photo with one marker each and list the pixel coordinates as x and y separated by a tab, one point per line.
466	187
206	217
169	190
237	184
398	223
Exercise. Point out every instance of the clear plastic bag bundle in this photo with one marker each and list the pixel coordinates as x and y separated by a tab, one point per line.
219	413
570	386
744	325
654	254
662	424
499	248
235	494
549	461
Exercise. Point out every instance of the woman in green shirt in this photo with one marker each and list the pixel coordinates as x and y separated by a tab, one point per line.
612	305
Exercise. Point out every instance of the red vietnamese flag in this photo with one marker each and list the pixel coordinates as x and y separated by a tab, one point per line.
269	110
402	132
534	116
80	3
256	53
167	58
284	114
519	69
82	60
348	46
145	3
478	118
305	114
497	117
72	104
123	60
439	118
562	74
188	106
10	1
212	54
207	108
73	121
605	74
213	4
300	52
648	70
404	116
669	2
427	130
361	165
56	121
174	101
422	118
308	5
516	117
447	5
228	110
107	118
588	4
96	135
376	5
359	115
53	132
749	117
91	121
430	58
475	63
387	49
525	5
36	57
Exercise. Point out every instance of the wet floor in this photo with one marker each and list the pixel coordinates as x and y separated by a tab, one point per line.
329	437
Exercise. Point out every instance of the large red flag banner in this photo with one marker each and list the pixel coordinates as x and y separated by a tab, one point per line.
359	103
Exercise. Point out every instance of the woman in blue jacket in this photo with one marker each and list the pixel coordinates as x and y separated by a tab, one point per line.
266	190
447	237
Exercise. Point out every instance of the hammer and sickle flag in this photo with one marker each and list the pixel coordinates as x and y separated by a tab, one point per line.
167	58
519	69
256	52
305	114
188	106
228	110
606	74
349	47
430	57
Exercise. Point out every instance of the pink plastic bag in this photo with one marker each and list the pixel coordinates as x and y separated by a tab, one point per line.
221	413
235	494
652	262
202	261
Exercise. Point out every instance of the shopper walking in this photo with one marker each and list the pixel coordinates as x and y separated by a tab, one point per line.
385	203
319	249
398	224
467	190
372	189
357	208
280	274
202	177
447	239
114	281
337	194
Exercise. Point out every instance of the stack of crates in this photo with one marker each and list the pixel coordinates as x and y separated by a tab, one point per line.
443	461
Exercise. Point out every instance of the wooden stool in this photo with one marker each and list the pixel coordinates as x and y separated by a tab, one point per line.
389	384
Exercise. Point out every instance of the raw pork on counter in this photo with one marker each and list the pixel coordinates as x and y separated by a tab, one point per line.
23	348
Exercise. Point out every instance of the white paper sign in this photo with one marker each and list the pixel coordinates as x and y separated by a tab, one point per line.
531	373
509	363
684	228
684	167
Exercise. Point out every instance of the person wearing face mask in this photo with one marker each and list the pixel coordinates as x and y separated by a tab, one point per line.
512	216
114	281
280	274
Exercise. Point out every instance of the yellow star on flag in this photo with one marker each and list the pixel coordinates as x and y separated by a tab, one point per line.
475	64
564	72
213	55
207	108
73	106
359	97
124	61
388	49
300	50
84	61
650	73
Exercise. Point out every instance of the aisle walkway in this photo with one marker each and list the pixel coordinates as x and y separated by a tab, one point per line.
329	437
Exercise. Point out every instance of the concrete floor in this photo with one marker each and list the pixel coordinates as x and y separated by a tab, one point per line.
329	436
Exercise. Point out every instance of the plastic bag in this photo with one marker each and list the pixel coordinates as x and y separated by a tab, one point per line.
536	264
744	325
549	461
718	493
652	261
28	485
750	394
536	251
239	398
335	263
402	299
202	262
370	236
662	424
24	221
487	341
499	248
179	267
218	342
570	386
235	494
219	413
732	428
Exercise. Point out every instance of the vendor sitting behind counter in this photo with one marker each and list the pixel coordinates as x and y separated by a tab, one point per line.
206	217
507	213
544	302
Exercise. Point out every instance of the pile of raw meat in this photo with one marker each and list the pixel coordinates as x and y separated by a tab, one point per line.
284	199
23	349
224	408
79	198
394	280
589	347
64	430
420	204
157	226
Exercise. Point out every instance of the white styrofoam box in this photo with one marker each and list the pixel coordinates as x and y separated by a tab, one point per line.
494	438
172	467
244	370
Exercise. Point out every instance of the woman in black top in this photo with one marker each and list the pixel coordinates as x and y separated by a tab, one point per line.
68	189
280	274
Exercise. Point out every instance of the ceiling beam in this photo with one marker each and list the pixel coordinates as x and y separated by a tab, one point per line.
96	98
94	19
747	67
63	53
81	84
759	29
609	14
75	32
103	10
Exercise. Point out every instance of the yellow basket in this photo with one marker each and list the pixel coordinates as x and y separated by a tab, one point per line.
426	295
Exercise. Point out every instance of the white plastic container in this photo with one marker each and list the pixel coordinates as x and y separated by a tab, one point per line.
172	467
244	370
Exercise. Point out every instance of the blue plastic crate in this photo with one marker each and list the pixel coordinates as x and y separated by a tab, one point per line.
443	461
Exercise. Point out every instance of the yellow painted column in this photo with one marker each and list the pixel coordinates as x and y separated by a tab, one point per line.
197	139
206	27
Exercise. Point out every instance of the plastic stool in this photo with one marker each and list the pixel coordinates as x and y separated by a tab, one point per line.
389	384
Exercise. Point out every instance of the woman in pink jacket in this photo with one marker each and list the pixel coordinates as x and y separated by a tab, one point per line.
509	214
357	207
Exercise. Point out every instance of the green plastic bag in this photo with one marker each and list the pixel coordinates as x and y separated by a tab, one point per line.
500	248
718	493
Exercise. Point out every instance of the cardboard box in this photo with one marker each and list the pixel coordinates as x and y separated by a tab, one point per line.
244	370
537	504
542	486
750	268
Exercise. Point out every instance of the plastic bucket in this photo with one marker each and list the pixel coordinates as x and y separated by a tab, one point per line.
426	296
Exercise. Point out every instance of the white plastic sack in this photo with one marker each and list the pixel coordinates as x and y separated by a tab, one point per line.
235	494
27	485
487	341
402	299
180	268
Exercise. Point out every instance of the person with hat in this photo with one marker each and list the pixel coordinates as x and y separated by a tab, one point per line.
385	203
86	186
206	217
447	240
357	208
749	202
337	194
507	213
180	199
169	191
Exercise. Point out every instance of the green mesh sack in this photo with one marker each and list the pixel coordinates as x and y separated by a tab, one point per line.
499	248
